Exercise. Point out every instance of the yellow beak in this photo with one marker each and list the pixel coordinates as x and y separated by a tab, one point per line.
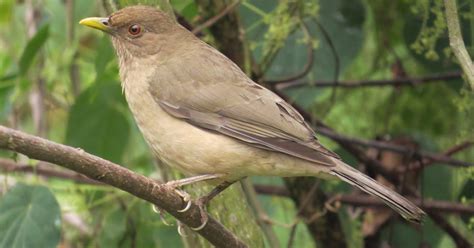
99	23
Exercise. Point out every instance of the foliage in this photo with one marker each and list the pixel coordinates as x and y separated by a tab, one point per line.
29	216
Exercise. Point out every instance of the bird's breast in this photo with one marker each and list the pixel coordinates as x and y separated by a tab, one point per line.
176	142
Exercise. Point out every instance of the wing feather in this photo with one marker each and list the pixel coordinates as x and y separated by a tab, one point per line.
226	101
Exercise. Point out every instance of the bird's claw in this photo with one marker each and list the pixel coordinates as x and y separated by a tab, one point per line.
201	203
159	211
180	230
188	206
199	227
184	195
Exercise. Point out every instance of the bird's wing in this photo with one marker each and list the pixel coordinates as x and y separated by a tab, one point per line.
211	92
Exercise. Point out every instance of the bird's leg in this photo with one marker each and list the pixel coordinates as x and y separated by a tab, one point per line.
204	200
190	180
175	184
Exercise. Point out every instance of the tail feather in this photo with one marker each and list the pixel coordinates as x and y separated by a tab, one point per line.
404	207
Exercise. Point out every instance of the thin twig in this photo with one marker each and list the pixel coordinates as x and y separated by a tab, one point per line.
215	18
38	91
434	157
260	213
309	61
292	235
44	169
458	148
456	41
73	67
303	204
337	63
369	201
117	176
324	227
269	57
451	151
405	81
441	221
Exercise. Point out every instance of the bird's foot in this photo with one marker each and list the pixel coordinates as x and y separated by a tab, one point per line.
183	194
202	204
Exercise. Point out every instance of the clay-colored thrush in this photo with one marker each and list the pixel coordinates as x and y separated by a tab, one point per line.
201	114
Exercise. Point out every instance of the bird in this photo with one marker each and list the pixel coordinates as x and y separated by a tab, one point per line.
200	113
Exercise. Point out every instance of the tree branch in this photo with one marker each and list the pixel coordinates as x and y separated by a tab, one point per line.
325	227
404	81
433	157
368	201
117	176
309	62
44	169
458	239
456	42
451	151
211	21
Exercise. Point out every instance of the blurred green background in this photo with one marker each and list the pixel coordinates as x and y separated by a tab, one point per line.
60	81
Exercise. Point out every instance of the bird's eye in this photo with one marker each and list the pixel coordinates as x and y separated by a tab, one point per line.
135	29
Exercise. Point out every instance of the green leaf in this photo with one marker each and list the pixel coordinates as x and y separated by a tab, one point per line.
29	217
6	11
97	123
113	228
433	188
401	234
187	8
32	48
5	101
105	54
6	73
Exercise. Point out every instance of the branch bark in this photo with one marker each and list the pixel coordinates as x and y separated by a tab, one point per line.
406	81
368	201
433	157
117	176
458	239
456	41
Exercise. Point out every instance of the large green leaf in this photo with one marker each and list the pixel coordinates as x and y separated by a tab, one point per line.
29	217
187	8
32	48
435	188
97	123
401	234
113	228
6	11
5	103
6	86
105	54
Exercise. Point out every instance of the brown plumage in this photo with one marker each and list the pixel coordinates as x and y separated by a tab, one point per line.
200	113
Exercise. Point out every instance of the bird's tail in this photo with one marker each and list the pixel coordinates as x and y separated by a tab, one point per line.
404	207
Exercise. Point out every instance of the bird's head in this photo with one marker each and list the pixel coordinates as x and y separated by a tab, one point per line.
137	30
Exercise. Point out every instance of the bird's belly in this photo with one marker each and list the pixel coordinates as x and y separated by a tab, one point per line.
195	151
184	146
